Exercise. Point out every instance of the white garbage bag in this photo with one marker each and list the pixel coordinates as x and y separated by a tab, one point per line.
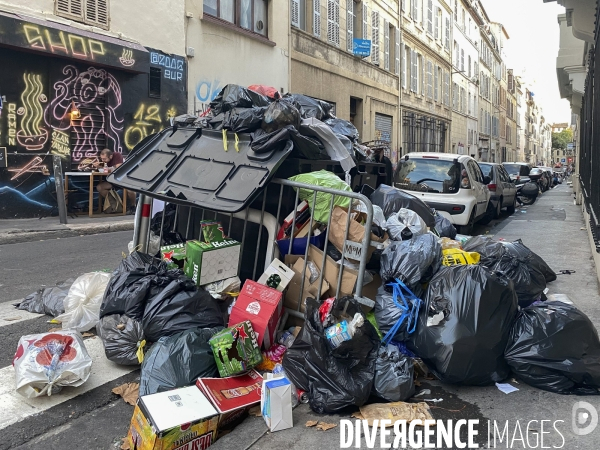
82	304
153	245
44	363
405	219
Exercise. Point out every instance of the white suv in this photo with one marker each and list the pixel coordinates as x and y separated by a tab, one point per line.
451	184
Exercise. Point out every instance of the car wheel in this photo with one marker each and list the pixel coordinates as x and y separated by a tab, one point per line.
468	228
499	208
489	214
511	208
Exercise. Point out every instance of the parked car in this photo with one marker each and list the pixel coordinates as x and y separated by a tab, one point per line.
518	171
541	178
549	175
503	192
451	184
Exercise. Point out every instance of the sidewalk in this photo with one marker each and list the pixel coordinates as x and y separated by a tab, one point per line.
553	227
14	231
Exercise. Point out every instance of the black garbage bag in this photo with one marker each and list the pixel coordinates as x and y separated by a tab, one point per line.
234	96
490	250
554	346
391	200
333	379
244	120
279	114
311	107
130	283
308	147
517	248
178	361
465	324
216	122
396	316
263	142
169	235
121	336
179	306
444	227
394	375
49	301
413	261
344	128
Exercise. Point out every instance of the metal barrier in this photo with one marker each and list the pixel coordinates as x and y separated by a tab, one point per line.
257	226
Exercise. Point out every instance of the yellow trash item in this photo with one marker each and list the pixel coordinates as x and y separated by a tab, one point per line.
455	257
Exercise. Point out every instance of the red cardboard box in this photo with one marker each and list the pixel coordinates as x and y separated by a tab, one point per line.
263	307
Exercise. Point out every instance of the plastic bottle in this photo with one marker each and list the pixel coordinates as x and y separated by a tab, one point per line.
287	339
279	370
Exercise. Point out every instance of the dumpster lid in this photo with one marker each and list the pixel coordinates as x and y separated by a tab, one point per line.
190	166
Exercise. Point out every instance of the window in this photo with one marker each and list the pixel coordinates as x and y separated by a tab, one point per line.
350	25
317	18
447	39
436	84
462	59
375	37
154	82
456	55
429	79
397	51
386	45
251	14
430	16
469	104
469	67
436	28
405	57
422	80
456	11
365	21
333	22
414	78
91	12
463	100
454	96
446	88
415	10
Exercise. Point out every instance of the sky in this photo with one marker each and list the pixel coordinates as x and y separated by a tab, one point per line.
532	49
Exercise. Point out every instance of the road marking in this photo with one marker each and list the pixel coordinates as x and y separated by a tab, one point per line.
14	407
10	315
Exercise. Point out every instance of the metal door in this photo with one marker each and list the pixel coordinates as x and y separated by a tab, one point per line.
383	127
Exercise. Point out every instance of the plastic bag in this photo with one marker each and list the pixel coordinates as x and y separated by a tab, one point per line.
343	127
311	107
244	120
234	96
394	375
413	262
223	289
169	235
49	301
464	328
179	360
396	310
333	379
130	285
554	346
334	147
444	227
123	339
179	306
265	142
82	303
279	114
404	225
448	243
323	202
267	91
455	256
391	200
44	363
153	245
517	248
308	147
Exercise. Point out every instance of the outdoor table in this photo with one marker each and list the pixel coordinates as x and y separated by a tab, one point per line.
92	176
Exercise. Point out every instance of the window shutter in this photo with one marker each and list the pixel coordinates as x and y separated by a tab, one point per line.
96	12
397	51
429	79
333	22
365	21
403	5
386	45
71	8
415	10
462	60
422	74
414	73
375	37
446	88
447	33
436	30
436	84
295	13
317	18
430	16
404	49
350	25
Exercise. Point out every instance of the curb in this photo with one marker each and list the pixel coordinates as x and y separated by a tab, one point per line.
69	231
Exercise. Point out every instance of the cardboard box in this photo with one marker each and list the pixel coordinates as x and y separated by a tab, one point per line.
173	420
232	393
310	290
212	231
236	349
280	269
356	234
263	307
276	404
206	262
173	255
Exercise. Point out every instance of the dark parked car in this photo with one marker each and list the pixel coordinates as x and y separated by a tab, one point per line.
503	192
518	171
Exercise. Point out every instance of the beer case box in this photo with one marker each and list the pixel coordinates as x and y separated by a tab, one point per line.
207	262
236	349
212	231
280	270
173	255
180	419
263	307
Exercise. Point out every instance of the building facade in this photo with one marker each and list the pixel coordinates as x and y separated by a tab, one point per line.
77	77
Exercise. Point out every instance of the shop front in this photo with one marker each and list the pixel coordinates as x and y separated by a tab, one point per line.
68	92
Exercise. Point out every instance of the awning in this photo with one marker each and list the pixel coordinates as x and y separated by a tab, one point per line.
63	41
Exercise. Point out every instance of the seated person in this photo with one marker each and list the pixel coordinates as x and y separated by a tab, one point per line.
112	160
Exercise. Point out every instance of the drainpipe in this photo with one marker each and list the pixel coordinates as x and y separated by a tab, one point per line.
141	230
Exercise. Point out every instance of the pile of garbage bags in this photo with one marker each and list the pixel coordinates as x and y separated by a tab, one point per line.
49	301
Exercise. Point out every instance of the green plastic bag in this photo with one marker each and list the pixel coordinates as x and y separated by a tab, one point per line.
326	179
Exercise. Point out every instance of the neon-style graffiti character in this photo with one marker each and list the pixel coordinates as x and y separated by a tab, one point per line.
31	135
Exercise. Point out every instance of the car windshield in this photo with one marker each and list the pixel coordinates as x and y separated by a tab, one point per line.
512	169
487	170
428	175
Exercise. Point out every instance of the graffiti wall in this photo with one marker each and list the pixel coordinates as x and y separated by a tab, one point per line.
52	106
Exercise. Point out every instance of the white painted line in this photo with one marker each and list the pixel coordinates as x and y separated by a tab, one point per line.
14	407
10	315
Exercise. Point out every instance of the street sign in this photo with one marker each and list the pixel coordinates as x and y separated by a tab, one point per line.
562	160
361	47
570	146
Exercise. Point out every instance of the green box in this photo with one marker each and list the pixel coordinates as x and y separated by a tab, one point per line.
236	349
207	262
173	255
212	231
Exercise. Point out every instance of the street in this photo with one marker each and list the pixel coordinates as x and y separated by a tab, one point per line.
91	417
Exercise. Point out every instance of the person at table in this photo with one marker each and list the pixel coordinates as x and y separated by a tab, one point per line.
112	160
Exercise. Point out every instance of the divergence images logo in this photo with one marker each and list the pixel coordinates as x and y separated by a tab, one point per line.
585	418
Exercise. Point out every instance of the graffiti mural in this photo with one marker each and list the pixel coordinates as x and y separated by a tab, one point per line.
32	135
206	91
148	121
